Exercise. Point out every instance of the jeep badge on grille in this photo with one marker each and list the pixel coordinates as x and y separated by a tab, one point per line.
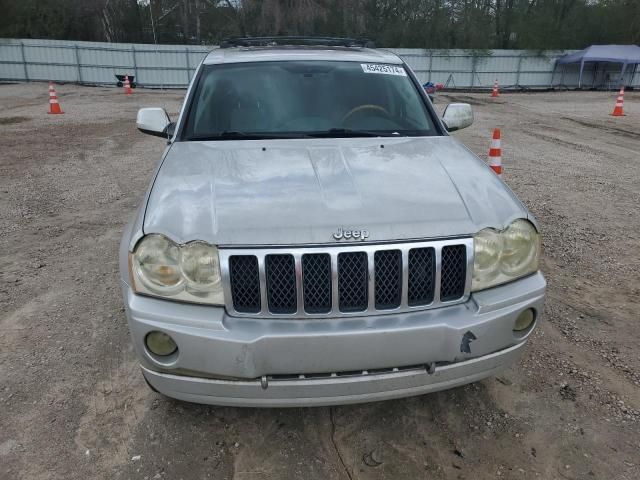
342	234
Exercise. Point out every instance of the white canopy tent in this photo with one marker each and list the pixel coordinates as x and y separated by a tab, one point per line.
624	54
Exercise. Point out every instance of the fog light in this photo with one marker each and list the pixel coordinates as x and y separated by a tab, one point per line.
160	344
524	320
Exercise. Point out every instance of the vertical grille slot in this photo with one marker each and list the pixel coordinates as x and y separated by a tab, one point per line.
388	278
422	273
316	282
280	275
245	283
454	272
352	281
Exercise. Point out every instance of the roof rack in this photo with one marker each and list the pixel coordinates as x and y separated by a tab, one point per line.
296	41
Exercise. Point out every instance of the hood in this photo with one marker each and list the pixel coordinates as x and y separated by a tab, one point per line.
286	192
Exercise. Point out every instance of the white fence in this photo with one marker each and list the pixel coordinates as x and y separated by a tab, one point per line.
172	66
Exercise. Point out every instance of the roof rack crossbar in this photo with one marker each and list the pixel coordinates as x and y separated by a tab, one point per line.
296	41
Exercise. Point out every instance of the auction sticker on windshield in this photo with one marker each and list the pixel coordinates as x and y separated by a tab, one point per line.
384	69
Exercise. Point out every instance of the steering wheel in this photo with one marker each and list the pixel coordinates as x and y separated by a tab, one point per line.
365	107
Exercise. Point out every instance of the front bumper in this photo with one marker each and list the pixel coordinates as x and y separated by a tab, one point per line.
332	390
224	360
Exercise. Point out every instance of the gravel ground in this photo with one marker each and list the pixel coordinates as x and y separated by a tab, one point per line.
73	404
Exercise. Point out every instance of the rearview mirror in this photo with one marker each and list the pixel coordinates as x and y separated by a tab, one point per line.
457	116
153	121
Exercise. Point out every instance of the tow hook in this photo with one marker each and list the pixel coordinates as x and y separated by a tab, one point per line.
264	383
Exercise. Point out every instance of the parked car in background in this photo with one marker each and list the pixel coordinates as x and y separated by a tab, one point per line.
313	235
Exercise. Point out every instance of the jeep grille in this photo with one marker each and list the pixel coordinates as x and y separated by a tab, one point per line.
346	280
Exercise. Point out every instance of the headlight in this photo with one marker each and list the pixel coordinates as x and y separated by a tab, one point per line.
157	265
189	273
503	256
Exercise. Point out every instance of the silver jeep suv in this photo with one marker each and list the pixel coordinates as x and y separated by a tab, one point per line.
314	236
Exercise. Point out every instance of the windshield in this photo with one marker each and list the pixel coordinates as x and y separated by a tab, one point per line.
305	98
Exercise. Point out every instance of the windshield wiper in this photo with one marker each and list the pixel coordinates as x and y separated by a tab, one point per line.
347	132
331	133
235	135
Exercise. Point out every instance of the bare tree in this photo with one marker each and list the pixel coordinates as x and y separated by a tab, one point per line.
479	24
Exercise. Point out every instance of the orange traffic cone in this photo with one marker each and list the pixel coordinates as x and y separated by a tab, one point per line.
127	86
495	92
617	110
495	153
54	106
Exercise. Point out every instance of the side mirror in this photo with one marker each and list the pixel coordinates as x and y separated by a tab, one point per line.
153	121
457	116
171	129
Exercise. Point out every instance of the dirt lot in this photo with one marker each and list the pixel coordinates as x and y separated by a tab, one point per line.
73	404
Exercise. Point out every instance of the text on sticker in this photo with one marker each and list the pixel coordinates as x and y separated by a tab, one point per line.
384	69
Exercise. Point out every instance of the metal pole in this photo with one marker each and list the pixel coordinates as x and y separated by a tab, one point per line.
160	76
473	69
186	56
153	27
518	72
430	63
624	67
580	77
78	62
135	63
24	62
